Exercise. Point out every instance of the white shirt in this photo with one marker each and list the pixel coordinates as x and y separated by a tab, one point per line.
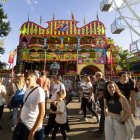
30	110
57	88
2	89
61	118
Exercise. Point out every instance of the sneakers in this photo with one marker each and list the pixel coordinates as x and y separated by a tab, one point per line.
97	118
86	119
46	116
12	129
93	117
80	112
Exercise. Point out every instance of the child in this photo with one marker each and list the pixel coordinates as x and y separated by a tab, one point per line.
137	99
61	116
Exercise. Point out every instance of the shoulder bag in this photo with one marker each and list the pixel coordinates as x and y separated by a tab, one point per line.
129	124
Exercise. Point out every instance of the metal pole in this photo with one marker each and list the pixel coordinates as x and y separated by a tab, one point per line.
45	49
110	64
45	61
78	46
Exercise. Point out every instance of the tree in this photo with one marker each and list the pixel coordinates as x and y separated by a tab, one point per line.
123	61
4	30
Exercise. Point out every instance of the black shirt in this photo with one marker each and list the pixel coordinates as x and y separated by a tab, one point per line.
114	106
125	89
131	81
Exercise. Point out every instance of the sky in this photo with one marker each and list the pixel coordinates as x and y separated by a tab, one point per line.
18	11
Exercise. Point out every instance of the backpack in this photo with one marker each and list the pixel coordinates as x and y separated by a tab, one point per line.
19	95
17	100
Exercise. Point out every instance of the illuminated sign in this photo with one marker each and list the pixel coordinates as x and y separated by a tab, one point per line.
63	28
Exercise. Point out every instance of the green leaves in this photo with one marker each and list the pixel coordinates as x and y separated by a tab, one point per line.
4	30
4	24
4	0
123	61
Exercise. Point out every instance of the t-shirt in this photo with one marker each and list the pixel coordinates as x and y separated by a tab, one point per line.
44	83
101	85
56	88
2	90
125	89
61	118
30	110
85	86
137	103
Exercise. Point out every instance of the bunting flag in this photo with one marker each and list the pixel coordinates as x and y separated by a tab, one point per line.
72	16
40	20
109	57
97	17
12	56
53	17
28	17
84	20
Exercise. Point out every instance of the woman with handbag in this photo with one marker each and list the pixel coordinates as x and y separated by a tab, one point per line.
115	102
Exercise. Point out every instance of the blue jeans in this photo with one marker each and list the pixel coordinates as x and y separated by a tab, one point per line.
22	132
15	116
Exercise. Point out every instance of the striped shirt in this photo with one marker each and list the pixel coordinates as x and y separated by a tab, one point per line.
85	86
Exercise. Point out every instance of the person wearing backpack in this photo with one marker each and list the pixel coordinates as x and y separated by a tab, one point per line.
18	88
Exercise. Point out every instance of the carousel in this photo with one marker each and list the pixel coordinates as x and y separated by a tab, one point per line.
64	48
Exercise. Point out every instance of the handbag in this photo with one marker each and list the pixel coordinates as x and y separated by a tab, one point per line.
130	125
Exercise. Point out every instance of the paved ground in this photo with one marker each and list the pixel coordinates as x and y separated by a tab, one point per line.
79	128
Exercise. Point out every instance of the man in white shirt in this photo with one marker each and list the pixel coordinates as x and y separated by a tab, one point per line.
32	112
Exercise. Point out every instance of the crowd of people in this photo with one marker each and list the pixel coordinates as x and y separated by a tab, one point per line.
27	97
